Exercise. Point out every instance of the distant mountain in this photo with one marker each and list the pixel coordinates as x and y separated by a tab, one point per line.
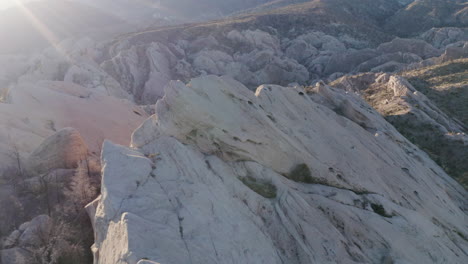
187	10
422	15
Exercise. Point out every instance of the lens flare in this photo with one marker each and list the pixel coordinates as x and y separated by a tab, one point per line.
40	27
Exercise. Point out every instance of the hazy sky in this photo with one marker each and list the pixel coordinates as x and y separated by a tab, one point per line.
7	3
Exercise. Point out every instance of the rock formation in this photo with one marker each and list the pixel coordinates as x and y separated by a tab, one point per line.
64	149
29	234
223	175
295	172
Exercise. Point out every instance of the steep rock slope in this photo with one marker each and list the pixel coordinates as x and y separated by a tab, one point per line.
223	175
445	84
429	110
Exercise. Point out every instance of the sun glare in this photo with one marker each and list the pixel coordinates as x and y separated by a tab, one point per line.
35	22
4	4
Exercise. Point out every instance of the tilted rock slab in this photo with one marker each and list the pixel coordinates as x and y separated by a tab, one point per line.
177	195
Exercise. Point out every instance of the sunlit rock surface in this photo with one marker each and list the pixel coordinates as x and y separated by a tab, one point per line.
208	180
64	149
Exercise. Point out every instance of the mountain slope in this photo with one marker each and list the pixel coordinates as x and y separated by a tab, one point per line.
429	109
446	85
219	171
423	15
182	10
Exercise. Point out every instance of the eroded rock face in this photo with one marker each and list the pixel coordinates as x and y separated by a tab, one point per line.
208	180
441	37
418	47
145	63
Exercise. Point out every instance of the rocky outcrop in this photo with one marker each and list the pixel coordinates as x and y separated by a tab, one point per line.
255	57
30	234
418	47
64	149
458	50
441	37
223	175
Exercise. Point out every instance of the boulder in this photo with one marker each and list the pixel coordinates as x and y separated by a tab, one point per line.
35	231
29	234
455	51
64	149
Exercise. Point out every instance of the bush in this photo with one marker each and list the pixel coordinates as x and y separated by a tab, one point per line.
380	210
301	173
263	188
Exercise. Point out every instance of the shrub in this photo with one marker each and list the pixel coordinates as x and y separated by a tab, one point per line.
380	210
301	173
262	187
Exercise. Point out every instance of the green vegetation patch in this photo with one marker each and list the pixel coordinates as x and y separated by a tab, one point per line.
380	210
262	187
301	173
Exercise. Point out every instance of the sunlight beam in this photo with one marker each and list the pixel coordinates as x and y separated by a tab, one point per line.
41	28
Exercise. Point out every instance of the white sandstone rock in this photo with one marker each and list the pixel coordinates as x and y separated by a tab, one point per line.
177	196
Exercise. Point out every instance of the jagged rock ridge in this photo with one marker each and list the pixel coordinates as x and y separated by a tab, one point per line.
222	175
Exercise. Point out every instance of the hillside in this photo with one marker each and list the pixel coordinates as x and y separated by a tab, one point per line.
423	15
446	85
290	178
172	10
429	109
253	131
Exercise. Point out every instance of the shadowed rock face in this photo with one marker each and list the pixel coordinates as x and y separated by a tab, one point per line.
181	193
28	234
431	114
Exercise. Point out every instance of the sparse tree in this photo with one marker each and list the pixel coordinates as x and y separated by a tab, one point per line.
81	191
45	191
17	157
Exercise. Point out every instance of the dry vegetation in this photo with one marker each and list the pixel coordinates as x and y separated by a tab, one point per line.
59	195
446	85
